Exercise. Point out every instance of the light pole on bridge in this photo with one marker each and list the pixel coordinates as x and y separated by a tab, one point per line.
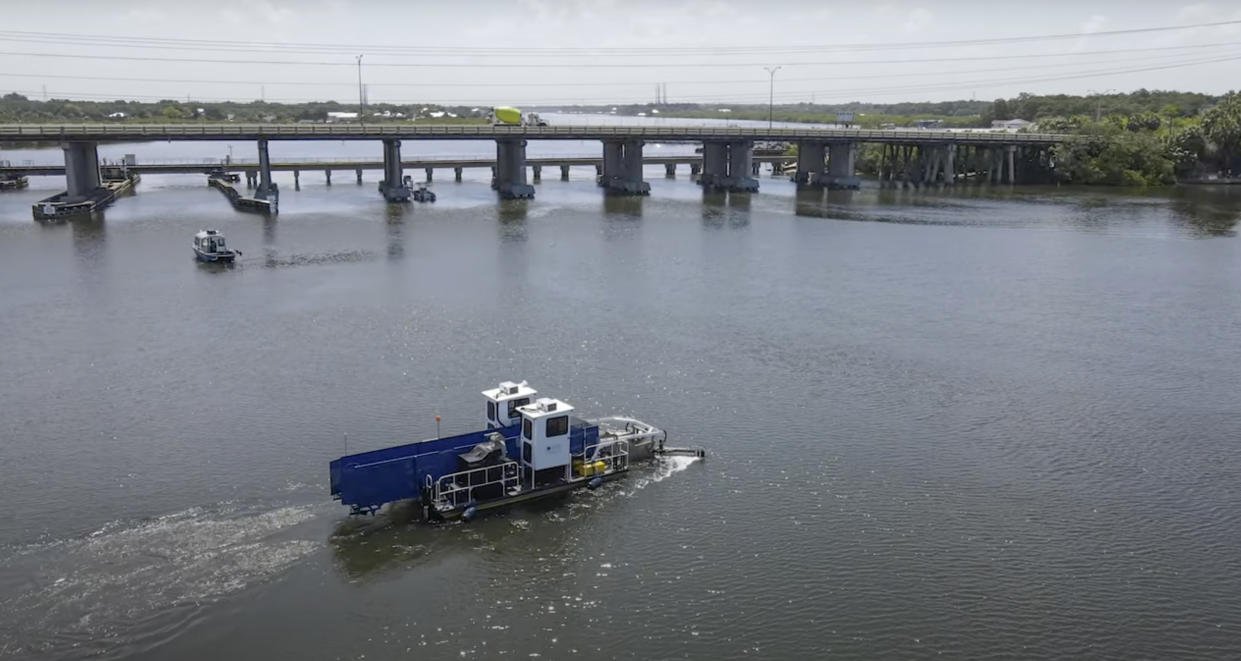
771	92
361	103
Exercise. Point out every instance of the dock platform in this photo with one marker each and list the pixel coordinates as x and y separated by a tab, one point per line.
57	207
241	202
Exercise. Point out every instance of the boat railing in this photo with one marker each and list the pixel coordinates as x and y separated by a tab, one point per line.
613	453
457	489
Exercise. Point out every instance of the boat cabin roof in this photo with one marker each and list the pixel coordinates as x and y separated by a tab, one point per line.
543	407
510	390
202	234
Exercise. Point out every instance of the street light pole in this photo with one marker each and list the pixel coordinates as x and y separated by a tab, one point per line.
361	106
771	92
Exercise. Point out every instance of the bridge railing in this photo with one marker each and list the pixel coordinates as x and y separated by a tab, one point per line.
471	131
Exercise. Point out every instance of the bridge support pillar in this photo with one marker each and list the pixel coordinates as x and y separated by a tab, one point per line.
741	166
728	166
510	172
430	174
359	173
297	180
840	166
456	173
811	157
1010	157
393	185
670	170
327	174
536	172
267	189
950	164
81	170
754	165
622	168
564	173
695	169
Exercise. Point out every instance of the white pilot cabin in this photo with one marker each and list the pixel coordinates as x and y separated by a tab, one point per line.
502	403
545	440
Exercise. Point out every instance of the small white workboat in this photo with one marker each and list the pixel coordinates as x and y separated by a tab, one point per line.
209	246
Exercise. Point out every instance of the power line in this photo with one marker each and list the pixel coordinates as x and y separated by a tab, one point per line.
579	65
595	83
235	45
793	94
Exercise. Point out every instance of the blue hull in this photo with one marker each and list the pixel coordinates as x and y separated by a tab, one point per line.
368	480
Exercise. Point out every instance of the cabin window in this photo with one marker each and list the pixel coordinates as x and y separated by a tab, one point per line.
491	410
527	429
219	243
514	403
558	426
527	454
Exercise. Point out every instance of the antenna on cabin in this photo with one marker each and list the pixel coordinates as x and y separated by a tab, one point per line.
437	426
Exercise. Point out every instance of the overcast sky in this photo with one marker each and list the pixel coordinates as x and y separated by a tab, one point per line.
603	51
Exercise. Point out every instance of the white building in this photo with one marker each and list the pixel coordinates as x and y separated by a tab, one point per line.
1010	124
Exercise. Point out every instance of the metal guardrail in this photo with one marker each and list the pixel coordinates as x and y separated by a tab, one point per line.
472	131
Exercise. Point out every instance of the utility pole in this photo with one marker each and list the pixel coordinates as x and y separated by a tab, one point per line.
361	103
1098	106
771	92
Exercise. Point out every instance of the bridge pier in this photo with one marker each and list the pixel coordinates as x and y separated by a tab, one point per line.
456	174
359	173
728	166
695	169
537	173
622	168
811	158
392	186
297	180
430	174
670	170
510	172
1010	153
327	174
564	173
841	157
267	189
81	170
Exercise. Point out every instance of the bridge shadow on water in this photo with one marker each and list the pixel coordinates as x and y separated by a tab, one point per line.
511	220
726	209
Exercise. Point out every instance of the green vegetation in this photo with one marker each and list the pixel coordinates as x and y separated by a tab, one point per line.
18	108
1143	138
1139	139
954	114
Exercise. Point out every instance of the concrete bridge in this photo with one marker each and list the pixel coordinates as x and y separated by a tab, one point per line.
826	156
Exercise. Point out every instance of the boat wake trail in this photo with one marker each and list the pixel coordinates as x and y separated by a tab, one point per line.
131	585
664	468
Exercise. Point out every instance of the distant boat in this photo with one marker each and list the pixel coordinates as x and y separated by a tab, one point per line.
209	246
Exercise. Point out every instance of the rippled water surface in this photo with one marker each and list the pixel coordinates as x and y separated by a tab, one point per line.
970	423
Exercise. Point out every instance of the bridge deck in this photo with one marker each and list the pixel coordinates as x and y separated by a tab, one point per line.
142	132
344	164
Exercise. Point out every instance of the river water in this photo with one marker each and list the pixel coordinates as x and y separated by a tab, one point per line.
981	422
